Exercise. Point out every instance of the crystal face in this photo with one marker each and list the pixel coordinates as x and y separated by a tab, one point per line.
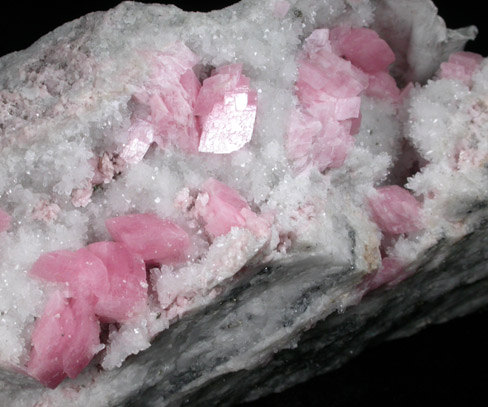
193	192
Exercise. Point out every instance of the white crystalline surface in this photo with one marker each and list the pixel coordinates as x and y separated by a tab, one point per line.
262	135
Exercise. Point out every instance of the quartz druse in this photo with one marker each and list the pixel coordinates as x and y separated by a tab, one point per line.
201	208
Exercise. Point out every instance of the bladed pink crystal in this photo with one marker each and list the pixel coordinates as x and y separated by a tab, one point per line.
331	147
127	281
65	339
141	136
329	89
395	210
382	85
302	131
163	109
82	271
227	109
365	49
461	66
4	221
390	270
222	207
155	239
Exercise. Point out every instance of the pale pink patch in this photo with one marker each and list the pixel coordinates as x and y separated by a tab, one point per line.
461	66
301	133
127	291
395	210
405	92
280	9
333	144
97	176
317	41
331	74
391	269
326	108
383	86
45	211
83	272
365	49
347	108
141	136
5	220
222	207
191	84
336	36
173	61
355	125
227	109
65	339
104	169
81	197
155	239
468	158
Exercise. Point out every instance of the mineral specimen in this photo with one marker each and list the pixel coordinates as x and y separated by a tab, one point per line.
184	196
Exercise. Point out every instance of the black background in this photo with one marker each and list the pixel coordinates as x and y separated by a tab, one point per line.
444	364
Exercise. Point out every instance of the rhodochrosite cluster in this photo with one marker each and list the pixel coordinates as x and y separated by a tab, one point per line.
335	68
107	283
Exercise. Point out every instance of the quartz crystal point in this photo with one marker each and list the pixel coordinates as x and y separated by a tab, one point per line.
193	205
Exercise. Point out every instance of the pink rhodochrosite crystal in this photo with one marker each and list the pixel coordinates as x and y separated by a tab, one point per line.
141	136
302	130
227	109
382	85
364	48
281	7
155	239
176	109
461	66
127	291
222	207
82	271
64	341
395	210
4	221
337	66
163	110
390	271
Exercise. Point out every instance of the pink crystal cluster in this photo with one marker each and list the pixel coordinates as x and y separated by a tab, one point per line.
396	212
175	109
103	282
461	66
336	67
106	282
222	208
226	108
394	209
